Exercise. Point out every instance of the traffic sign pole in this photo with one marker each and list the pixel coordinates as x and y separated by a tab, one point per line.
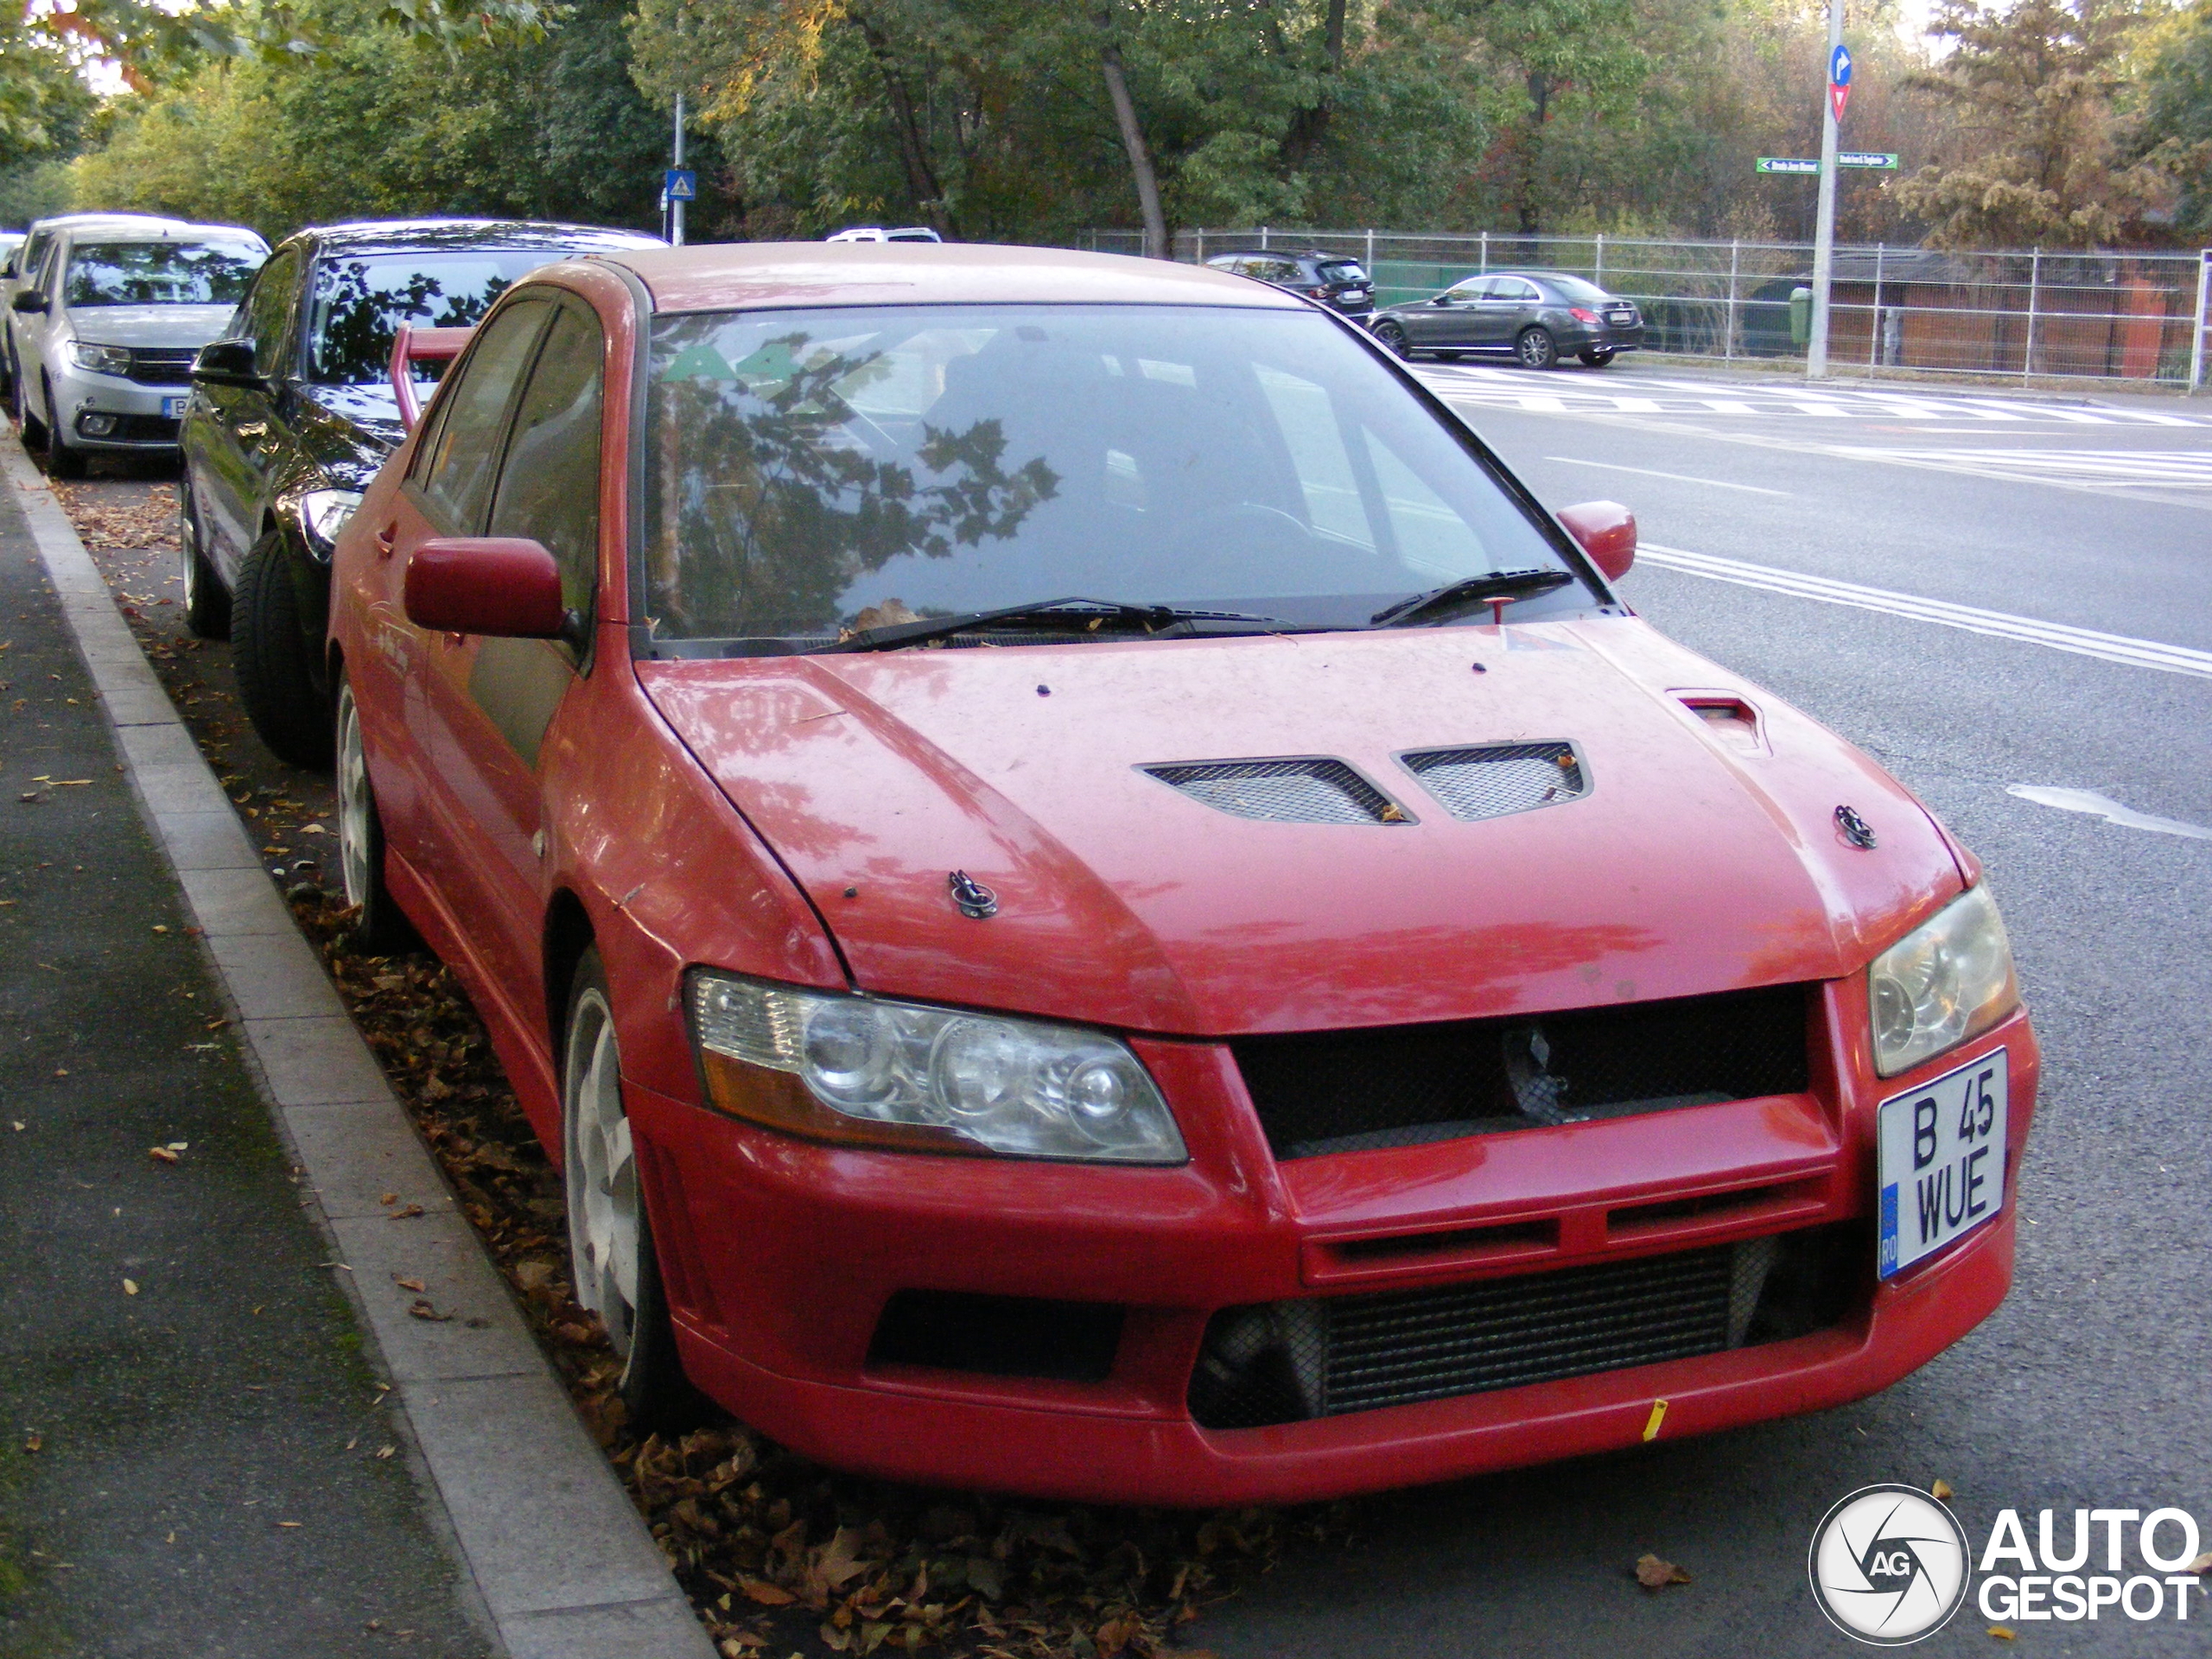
1816	349
676	202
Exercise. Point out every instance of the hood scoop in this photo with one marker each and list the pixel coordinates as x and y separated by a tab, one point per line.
1297	789
1499	779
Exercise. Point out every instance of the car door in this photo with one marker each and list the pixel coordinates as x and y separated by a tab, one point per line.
231	440
1512	306
25	263
448	491
1453	316
33	327
493	699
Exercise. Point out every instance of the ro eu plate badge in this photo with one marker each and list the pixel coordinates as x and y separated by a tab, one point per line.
1941	1160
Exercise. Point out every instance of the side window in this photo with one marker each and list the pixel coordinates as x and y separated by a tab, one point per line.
455	465
1512	288
549	486
1475	288
267	313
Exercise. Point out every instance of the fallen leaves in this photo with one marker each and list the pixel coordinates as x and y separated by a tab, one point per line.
421	1308
130	1287
161	1155
34	1441
1942	1492
1654	1573
2003	1632
2201	1566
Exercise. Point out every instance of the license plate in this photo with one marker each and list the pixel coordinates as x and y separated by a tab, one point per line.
1620	317
173	408
1941	1160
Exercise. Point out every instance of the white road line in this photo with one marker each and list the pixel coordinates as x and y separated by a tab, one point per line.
2103	806
1678	478
2057	636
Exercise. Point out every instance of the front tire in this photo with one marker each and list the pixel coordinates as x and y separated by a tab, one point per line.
61	462
270	655
611	1254
1536	348
207	601
380	928
1394	340
1596	360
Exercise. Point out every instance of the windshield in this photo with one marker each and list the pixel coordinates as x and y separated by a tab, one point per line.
808	467
1342	271
160	273
359	303
1575	290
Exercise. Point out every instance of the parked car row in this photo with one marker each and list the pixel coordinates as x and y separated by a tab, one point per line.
1535	316
1089	895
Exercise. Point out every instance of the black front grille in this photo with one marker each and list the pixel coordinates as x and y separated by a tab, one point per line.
130	428
1402	1085
161	366
1287	1362
1295	789
1502	779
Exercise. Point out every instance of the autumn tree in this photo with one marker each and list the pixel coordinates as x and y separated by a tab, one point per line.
2034	157
2173	115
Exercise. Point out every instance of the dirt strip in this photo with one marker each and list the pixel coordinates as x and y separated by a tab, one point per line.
778	1553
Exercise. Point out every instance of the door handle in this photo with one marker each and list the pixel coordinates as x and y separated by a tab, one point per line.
252	429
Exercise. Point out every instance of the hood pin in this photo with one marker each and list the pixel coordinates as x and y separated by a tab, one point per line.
976	901
1856	829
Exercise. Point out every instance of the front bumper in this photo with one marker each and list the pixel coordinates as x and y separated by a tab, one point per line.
781	1258
124	416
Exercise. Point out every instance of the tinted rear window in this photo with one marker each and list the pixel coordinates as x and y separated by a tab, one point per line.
358	303
1573	288
160	273
1343	271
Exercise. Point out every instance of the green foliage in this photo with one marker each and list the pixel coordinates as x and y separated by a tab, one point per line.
383	123
2174	130
2033	159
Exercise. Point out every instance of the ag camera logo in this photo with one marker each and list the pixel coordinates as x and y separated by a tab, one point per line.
1889	1565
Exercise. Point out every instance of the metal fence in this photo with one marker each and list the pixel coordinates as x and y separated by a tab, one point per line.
2026	314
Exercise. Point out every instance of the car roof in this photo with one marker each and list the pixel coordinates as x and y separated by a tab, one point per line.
139	229
426	235
1282	253
79	221
746	275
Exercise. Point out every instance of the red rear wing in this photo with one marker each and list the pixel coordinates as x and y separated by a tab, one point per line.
410	345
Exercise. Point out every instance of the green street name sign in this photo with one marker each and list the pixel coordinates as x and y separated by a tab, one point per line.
1844	158
1786	164
1864	158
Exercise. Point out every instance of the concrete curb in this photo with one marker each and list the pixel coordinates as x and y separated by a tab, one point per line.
554	1546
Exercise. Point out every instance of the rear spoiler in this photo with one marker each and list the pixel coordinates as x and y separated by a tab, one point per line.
410	345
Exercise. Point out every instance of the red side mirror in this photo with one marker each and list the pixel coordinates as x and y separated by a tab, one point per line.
1607	532
498	584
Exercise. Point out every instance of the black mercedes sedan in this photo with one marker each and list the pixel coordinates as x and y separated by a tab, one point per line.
1537	316
292	412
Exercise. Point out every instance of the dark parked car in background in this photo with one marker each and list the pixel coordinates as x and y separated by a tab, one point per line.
1339	283
1538	315
292	413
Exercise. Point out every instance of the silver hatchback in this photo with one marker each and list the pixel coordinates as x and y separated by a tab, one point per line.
104	329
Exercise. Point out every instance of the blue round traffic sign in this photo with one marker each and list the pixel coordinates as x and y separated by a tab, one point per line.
1839	68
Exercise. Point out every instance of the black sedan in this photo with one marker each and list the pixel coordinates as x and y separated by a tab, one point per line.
1538	315
1340	283
292	413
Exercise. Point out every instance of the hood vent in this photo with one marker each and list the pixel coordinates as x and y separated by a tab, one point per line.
1299	790
1495	781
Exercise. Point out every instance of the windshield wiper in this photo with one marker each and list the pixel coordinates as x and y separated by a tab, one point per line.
1499	584
1097	613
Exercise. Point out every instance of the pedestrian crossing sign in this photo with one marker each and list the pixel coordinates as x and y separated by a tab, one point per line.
680	184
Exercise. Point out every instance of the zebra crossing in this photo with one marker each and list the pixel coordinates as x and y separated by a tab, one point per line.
2159	468
1572	393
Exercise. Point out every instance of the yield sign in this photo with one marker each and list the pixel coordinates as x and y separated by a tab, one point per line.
1839	80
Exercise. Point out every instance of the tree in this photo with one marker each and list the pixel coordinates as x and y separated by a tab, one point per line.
2173	132
2034	159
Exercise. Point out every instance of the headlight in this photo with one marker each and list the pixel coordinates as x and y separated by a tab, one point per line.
854	1068
1946	981
324	512
102	359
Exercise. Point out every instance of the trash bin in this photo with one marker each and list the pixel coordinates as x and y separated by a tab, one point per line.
1801	316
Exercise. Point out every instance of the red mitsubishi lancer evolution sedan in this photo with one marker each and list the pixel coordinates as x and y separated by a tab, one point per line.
1095	900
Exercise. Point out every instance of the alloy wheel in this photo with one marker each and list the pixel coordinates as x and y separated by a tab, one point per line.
1536	348
601	1175
1394	337
356	834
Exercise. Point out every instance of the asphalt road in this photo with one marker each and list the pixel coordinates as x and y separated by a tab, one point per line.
2088	1388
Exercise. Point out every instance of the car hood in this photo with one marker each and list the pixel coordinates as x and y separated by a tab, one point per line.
150	325
347	431
1691	866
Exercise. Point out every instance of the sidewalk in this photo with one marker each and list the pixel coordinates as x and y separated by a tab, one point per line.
201	1466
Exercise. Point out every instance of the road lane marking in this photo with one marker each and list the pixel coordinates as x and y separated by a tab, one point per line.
2057	636
2103	806
2184	468
1678	478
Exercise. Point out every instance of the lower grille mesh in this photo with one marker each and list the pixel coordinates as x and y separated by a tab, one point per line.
1286	1362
